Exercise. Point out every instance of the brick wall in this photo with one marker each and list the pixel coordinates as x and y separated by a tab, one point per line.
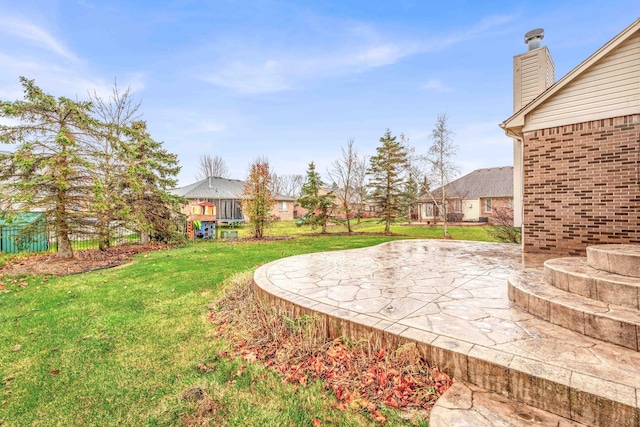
582	185
497	204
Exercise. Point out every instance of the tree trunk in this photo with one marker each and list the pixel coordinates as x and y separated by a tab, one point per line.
64	243
104	238
144	237
62	227
444	215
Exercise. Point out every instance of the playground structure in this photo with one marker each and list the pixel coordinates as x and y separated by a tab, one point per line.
201	223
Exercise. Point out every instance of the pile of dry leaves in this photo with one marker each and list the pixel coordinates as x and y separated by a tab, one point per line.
359	376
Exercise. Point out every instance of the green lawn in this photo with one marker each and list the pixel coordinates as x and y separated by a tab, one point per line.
372	225
118	347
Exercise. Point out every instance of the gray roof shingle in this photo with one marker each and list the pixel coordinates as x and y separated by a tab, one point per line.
482	183
215	188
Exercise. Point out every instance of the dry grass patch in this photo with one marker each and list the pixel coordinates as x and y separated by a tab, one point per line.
361	377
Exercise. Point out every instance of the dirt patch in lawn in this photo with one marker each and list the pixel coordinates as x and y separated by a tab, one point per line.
87	260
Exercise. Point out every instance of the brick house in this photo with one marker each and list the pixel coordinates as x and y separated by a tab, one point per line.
577	147
477	196
223	199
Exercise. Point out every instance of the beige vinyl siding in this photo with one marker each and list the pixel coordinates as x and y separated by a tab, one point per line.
551	72
529	79
533	72
610	88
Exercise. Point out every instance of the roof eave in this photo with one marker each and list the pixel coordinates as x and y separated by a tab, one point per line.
518	119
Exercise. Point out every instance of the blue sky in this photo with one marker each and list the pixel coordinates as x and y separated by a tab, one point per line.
294	80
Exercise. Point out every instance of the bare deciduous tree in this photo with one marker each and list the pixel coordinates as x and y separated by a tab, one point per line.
117	113
443	169
360	187
501	226
211	166
342	173
287	185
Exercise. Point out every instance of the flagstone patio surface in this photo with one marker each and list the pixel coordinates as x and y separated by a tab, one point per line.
450	297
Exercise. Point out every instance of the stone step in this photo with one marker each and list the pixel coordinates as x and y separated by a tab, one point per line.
576	276
618	259
465	405
606	322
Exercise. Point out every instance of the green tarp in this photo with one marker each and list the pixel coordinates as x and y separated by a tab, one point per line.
25	232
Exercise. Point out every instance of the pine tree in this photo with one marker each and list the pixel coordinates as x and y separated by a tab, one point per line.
319	205
387	169
108	203
48	171
257	199
410	195
151	172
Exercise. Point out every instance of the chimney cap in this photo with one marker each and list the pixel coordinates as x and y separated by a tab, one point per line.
538	33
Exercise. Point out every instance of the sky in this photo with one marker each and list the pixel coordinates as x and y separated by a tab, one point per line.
293	81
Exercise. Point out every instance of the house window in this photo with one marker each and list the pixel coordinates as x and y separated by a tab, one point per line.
511	204
283	206
457	205
487	205
196	210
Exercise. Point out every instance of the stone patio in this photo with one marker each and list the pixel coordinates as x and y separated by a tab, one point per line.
451	299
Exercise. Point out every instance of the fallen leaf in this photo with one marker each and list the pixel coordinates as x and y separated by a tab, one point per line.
23	284
379	417
316	422
17	347
250	357
391	402
54	372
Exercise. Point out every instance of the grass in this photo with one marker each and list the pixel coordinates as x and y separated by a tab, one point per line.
373	225
120	346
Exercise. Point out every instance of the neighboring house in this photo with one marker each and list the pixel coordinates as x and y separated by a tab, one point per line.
299	211
475	197
222	198
577	147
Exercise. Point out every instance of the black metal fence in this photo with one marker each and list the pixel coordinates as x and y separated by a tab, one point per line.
117	236
19	238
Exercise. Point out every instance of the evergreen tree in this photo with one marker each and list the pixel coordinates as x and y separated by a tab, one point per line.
108	202
320	205
48	171
257	199
410	195
387	169
151	172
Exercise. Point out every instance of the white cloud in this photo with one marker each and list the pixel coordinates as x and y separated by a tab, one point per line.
266	77
247	68
436	85
18	27
192	123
